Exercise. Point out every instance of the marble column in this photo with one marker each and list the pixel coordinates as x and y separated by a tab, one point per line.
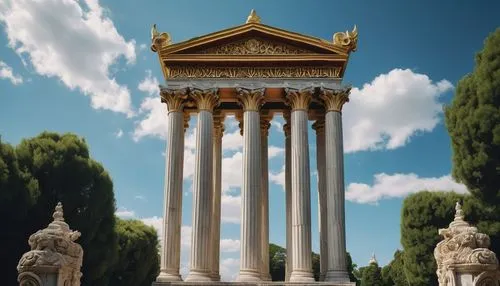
334	174
250	269
319	126
264	129
288	195
301	193
206	101
216	207
172	208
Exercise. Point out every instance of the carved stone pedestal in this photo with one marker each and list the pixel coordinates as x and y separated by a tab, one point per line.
256	283
463	257
54	259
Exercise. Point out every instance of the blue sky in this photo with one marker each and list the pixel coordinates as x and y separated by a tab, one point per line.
85	67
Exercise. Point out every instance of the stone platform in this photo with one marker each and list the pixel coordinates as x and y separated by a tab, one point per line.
262	283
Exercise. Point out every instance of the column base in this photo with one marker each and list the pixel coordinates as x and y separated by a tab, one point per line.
168	277
322	276
198	276
301	276
248	276
266	277
215	277
337	276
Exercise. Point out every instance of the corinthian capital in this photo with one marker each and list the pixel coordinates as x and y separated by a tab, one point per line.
299	99
319	126
251	99
174	98
334	99
218	125
206	99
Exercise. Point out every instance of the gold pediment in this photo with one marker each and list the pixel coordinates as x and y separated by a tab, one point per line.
255	46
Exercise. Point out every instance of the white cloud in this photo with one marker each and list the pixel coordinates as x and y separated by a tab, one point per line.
232	171
140	197
277	125
278	178
229	245
232	140
398	186
73	42
119	133
7	73
274	151
142	47
149	84
124	213
230	209
387	112
229	269
154	123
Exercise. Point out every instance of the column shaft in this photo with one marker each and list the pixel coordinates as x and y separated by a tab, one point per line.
322	200
172	209
216	207
337	268
301	200
265	275
288	198
250	258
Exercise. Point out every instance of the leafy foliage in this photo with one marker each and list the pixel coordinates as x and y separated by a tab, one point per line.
473	122
423	214
393	273
138	263
372	276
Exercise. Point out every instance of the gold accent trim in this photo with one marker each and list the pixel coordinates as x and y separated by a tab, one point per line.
206	99
250	99
319	126
255	46
174	98
253	17
347	40
334	100
299	99
252	72
265	124
159	40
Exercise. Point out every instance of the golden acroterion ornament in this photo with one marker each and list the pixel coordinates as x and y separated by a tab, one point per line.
347	39
159	40
253	17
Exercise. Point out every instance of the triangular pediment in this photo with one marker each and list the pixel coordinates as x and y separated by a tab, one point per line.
255	39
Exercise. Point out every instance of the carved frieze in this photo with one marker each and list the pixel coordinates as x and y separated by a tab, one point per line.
255	46
178	72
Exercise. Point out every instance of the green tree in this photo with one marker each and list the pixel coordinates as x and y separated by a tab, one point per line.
423	214
18	192
393	273
277	262
372	275
139	262
473	122
62	168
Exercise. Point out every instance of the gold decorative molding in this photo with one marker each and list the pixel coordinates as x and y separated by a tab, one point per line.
218	125
186	121
299	99
319	126
334	100
255	46
253	17
159	40
206	99
174	98
265	124
347	40
250	99
203	71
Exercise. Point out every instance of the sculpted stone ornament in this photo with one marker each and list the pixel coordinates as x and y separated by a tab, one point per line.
255	46
463	257
159	40
347	39
54	255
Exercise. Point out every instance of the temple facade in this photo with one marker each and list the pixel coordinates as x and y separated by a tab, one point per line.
253	72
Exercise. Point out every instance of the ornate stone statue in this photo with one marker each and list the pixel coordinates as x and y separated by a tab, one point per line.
55	258
463	257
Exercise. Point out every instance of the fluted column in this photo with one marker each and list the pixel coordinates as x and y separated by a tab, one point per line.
264	129
216	207
337	263
301	193
172	208
250	269
288	195
200	270
319	126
